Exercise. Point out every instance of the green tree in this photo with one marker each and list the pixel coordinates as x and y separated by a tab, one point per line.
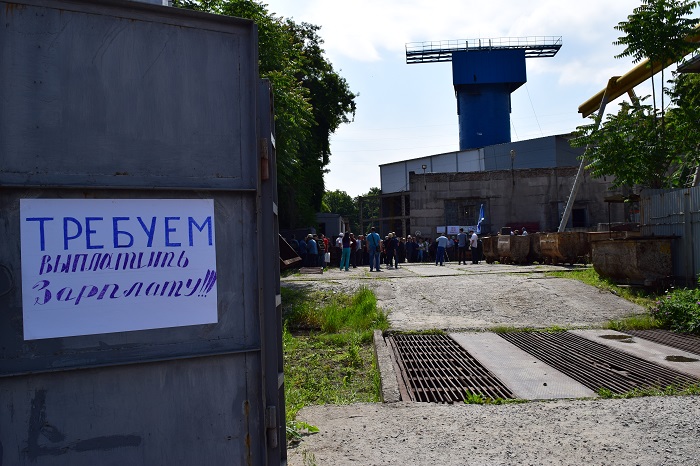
625	147
311	101
369	203
657	30
635	145
682	127
340	202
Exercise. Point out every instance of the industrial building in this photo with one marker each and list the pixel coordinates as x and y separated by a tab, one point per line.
516	184
491	182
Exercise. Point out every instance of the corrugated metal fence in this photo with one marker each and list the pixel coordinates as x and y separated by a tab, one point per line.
675	213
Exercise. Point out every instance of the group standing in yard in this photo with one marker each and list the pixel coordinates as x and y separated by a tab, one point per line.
349	250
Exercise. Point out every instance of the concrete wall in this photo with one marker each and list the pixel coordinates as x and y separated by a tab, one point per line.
394	176
510	198
334	224
545	152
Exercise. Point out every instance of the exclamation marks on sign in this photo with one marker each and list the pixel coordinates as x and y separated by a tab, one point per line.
208	283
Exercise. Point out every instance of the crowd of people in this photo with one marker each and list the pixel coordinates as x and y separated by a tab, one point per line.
351	251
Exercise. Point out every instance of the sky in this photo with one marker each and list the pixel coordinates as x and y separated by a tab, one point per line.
408	111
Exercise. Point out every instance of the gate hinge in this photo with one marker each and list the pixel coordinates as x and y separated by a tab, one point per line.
271	426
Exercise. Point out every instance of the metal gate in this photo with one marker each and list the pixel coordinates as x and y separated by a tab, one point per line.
135	142
675	213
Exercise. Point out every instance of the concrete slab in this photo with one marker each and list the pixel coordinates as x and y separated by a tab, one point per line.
387	374
526	376
645	349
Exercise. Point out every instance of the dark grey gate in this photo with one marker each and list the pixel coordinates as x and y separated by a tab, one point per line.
128	101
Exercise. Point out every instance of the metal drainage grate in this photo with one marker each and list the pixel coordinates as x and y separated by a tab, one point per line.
434	368
594	365
689	343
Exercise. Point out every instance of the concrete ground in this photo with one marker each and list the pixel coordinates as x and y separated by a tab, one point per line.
567	426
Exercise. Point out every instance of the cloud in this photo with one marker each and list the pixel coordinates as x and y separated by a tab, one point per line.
367	30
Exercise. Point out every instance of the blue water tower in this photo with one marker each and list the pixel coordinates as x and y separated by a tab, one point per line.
484	73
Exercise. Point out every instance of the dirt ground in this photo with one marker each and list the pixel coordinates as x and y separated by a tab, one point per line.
643	431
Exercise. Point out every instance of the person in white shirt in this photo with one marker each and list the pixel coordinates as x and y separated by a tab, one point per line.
474	246
524	233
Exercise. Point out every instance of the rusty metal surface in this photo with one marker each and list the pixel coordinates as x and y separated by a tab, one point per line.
675	213
685	342
634	261
490	245
513	249
594	365
433	368
565	247
535	249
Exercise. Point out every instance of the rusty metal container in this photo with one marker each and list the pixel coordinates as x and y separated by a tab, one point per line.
535	250
608	235
568	247
513	249
634	261
490	245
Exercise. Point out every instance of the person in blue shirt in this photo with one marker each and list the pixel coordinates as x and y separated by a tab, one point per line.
373	241
462	246
345	257
311	251
441	245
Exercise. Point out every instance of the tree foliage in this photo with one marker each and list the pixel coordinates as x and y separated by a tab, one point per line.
683	121
636	145
311	101
625	147
340	202
658	30
370	204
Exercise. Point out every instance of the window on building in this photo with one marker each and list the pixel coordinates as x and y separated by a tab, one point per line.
578	218
461	212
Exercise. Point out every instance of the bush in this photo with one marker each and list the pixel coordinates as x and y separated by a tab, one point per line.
679	310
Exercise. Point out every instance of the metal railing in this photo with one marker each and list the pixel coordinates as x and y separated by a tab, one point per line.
431	51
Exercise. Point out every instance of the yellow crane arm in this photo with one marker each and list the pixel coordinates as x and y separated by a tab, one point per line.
629	80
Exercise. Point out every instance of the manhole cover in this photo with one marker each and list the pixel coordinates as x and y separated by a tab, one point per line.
434	368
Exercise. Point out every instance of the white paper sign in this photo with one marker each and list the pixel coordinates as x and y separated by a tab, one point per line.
93	266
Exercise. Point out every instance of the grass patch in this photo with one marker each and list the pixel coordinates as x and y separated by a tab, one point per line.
291	272
671	390
636	322
328	350
589	276
434	331
327	371
331	311
511	329
478	399
677	309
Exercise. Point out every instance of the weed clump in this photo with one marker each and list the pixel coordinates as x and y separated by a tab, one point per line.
328	355
679	310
